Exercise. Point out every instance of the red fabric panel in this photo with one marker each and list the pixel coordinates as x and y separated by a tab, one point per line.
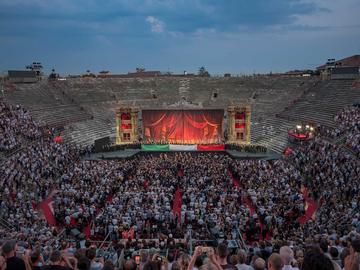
294	134
58	139
125	116
239	116
87	231
48	211
125	126
189	126
238	125
288	151
210	147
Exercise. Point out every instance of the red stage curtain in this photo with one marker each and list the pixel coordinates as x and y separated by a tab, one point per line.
189	126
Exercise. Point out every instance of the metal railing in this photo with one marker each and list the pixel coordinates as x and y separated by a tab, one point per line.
6	225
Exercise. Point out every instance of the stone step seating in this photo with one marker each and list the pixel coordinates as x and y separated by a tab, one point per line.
34	96
125	89
322	103
60	115
184	89
48	104
271	132
266	129
103	124
86	132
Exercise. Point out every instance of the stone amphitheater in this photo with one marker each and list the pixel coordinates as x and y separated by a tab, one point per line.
85	107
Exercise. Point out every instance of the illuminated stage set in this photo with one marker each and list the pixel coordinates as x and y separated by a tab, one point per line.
183	126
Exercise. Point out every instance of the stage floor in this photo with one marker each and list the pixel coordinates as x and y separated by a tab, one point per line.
128	153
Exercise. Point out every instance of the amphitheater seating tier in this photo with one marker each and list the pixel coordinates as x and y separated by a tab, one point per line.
86	106
321	103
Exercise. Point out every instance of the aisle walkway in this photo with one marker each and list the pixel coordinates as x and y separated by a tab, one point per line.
311	207
249	204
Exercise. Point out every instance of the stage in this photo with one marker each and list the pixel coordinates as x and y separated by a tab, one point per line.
183	126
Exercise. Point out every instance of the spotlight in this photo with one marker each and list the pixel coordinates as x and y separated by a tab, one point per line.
307	126
298	126
311	128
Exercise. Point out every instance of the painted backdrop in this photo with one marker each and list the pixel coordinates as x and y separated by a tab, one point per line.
183	126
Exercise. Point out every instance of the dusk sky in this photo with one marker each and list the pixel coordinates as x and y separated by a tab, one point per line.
234	36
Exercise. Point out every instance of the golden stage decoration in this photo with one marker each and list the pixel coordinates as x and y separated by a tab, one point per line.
126	125
239	117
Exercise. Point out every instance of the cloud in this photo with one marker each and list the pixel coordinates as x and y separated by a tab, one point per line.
331	13
157	26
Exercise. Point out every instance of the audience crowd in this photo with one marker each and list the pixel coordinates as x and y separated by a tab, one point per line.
15	124
348	124
175	200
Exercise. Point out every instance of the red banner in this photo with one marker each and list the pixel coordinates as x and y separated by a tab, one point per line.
210	147
187	126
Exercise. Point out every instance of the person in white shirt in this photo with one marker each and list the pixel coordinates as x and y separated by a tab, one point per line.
242	262
287	254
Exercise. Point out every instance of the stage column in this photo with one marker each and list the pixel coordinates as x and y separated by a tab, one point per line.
127	125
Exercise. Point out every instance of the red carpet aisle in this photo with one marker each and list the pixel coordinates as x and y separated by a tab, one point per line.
246	200
310	207
177	203
236	182
47	209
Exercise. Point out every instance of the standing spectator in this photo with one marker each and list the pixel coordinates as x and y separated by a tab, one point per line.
2	263
242	262
222	252
259	264
288	256
275	262
12	262
315	260
57	262
96	263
